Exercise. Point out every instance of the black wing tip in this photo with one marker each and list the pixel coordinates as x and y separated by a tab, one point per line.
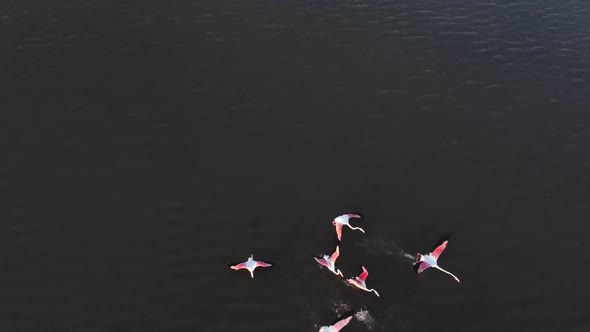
416	266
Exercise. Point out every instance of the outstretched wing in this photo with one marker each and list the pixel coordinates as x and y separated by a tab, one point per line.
239	266
439	249
338	326
321	261
339	231
335	255
364	274
262	264
423	266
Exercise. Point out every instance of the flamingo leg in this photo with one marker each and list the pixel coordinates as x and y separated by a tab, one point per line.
355	228
447	272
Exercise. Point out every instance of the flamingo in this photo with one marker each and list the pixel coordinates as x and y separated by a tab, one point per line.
430	260
344	220
336	327
250	265
329	261
360	281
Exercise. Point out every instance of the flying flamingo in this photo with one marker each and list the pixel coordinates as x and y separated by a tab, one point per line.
430	260
250	265
343	220
360	281
336	327
329	261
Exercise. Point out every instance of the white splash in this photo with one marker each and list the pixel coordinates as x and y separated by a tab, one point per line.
341	308
405	254
365	317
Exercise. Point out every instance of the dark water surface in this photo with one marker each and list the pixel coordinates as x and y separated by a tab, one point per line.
147	145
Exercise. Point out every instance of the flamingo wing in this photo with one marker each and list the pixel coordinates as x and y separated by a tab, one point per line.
423	266
239	266
353	282
339	231
342	323
335	255
321	261
262	264
439	249
364	274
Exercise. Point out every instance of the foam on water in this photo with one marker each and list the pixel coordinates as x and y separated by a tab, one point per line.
341	308
365	317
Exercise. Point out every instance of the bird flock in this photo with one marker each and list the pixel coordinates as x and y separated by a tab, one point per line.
422	263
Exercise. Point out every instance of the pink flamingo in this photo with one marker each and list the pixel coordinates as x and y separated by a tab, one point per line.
336	327
430	260
360	281
330	261
344	220
251	265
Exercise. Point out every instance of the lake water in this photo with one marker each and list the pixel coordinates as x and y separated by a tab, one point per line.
148	145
